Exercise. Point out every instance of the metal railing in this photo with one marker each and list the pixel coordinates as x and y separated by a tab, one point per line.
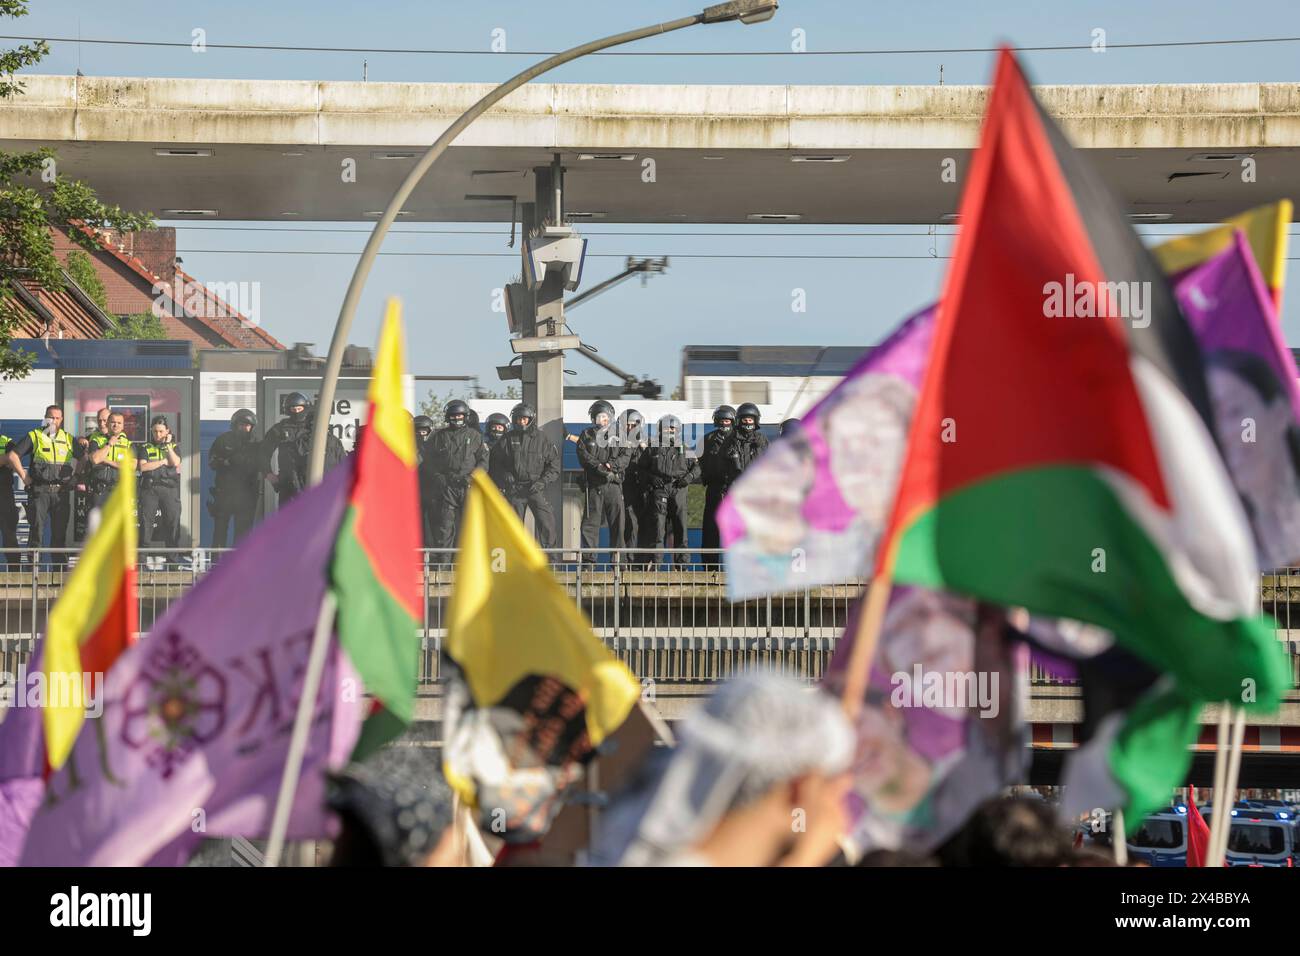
665	615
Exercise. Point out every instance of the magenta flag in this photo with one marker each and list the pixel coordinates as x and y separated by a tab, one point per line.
1253	388
811	510
197	715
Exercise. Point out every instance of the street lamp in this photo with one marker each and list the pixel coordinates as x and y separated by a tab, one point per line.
746	11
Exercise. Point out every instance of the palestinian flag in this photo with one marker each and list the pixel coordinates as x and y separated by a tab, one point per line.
1062	458
375	574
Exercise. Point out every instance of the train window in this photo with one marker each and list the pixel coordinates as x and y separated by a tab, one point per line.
756	392
705	392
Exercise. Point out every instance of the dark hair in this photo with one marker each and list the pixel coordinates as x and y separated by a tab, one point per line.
159	420
51	408
1008	831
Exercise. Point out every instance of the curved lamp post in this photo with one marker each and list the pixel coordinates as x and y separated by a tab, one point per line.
746	11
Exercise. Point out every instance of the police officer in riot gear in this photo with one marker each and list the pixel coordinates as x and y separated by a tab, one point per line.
48	480
523	463
430	490
455	451
604	461
496	426
237	483
745	444
289	442
711	473
160	490
107	455
630	430
667	470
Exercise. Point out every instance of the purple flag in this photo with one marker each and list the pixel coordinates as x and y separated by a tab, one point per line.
811	510
22	764
197	715
1253	388
941	728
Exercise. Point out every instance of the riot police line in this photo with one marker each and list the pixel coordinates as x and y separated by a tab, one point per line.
633	480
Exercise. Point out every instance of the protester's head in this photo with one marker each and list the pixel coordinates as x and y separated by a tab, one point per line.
395	810
1009	831
758	778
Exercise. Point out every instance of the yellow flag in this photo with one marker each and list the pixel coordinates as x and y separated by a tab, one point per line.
1266	231
94	619
508	618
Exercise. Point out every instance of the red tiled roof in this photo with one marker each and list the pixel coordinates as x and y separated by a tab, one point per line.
228	319
226	323
63	313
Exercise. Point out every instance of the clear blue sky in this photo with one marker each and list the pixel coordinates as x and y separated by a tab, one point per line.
699	301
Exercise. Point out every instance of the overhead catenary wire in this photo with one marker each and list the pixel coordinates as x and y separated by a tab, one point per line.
513	255
589	233
920	51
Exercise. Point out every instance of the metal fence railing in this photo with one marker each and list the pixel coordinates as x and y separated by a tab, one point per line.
665	615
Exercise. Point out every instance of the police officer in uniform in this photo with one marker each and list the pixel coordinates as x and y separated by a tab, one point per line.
667	471
456	451
160	490
711	473
49	500
8	507
289	440
745	444
234	459
496	426
81	503
427	478
603	462
523	463
107	455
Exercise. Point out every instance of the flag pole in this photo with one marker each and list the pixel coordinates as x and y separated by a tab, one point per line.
301	728
1220	775
1230	783
863	651
1118	837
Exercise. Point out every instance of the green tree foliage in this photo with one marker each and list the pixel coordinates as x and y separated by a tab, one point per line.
34	197
82	269
142	325
433	404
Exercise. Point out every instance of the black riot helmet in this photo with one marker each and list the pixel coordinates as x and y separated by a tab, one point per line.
631	426
497	425
471	420
522	411
294	399
456	414
598	407
789	425
669	430
243	417
724	416
748	410
423	423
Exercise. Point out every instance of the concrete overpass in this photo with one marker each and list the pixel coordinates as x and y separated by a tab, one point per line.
275	149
